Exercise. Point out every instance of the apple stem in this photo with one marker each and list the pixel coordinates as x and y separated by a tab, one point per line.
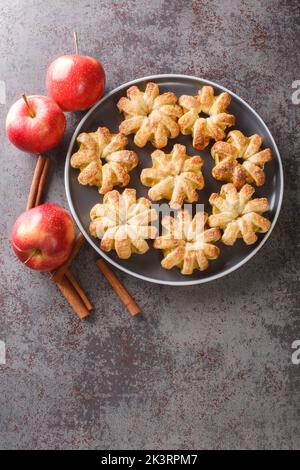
76	42
31	112
34	253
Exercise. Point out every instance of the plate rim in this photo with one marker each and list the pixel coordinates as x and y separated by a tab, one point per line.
128	271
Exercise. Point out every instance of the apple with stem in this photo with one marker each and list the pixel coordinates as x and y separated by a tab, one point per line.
76	82
35	124
43	237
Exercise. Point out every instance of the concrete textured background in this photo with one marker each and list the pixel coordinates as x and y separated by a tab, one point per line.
207	366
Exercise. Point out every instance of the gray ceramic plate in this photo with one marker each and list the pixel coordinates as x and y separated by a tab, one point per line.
147	267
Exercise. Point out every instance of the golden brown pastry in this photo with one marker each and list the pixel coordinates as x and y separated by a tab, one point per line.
98	145
238	215
122	223
174	176
239	147
205	129
186	243
149	115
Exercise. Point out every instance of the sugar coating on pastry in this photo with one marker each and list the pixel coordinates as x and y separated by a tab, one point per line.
123	223
187	243
174	176
149	115
247	150
111	148
204	129
238	215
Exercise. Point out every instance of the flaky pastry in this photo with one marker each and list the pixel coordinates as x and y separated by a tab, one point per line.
149	115
238	215
98	145
186	243
174	176
122	222
212	127
239	147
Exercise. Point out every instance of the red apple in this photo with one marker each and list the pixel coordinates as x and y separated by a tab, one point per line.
42	238
35	124
75	81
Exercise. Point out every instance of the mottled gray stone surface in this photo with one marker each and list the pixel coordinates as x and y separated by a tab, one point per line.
207	366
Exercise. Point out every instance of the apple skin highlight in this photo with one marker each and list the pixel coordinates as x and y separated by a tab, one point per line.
42	238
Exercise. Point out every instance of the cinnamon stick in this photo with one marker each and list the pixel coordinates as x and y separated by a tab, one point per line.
61	271
42	182
74	294
35	182
73	298
79	290
120	290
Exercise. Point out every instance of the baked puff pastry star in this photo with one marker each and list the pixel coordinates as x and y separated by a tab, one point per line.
122	223
117	162
212	127
174	176
150	116
247	150
238	215
187	243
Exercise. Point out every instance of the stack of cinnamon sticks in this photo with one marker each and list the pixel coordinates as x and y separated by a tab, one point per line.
62	277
